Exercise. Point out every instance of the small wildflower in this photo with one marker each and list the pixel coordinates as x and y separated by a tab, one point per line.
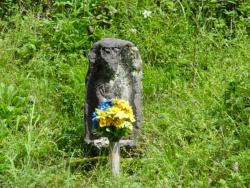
57	28
210	181
235	166
147	13
133	30
32	99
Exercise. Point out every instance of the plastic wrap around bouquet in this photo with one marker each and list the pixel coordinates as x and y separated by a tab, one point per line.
113	119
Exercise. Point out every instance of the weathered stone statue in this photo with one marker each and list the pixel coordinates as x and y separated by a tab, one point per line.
115	71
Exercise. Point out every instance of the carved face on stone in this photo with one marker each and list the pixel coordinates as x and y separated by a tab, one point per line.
113	79
110	59
105	65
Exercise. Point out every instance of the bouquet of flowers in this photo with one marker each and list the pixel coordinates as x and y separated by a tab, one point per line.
113	119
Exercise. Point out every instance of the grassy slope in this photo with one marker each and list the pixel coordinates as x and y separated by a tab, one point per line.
191	135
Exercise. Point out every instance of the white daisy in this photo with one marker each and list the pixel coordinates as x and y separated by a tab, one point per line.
147	13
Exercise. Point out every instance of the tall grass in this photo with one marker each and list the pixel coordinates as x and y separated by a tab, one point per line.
196	91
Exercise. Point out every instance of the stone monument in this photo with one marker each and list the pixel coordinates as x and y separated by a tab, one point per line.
115	71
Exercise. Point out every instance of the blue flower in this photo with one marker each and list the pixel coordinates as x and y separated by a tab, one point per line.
94	120
102	106
105	105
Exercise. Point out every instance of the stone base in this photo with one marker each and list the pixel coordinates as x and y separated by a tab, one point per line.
104	142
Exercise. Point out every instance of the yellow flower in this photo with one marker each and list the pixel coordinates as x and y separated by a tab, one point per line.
121	115
101	113
132	118
118	123
105	122
122	103
113	110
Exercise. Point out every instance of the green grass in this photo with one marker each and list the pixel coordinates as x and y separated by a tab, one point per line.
196	105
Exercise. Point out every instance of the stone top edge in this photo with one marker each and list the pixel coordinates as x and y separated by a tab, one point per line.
113	43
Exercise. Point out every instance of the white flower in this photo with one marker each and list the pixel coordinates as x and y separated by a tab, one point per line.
235	166
57	28
147	13
133	30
